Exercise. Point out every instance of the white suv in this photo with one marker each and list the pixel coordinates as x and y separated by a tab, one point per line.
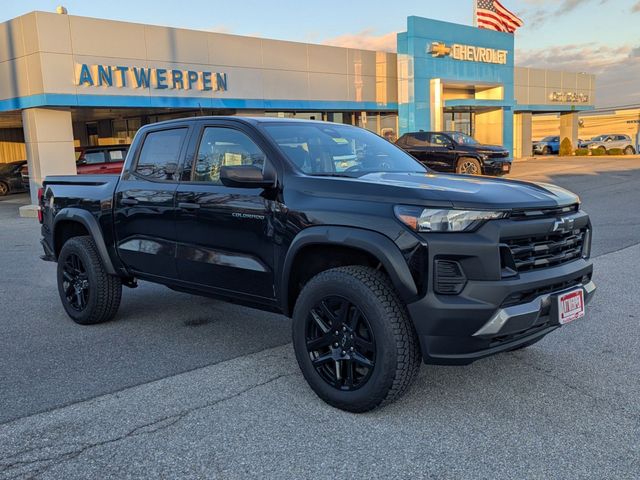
607	142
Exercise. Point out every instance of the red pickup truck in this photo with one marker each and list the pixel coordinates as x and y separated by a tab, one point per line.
93	160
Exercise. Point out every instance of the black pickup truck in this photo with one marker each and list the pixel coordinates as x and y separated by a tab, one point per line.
380	262
456	152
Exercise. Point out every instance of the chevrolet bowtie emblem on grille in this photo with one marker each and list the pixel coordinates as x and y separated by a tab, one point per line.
439	49
563	225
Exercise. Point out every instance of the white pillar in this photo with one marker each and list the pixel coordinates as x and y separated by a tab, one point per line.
569	128
522	144
48	135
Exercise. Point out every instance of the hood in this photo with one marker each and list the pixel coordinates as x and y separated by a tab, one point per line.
489	148
459	191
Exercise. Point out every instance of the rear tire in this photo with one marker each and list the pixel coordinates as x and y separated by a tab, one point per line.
629	150
88	293
4	189
469	166
353	338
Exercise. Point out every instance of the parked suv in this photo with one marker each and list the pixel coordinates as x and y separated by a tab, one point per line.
380	261
456	152
607	142
546	146
106	159
92	160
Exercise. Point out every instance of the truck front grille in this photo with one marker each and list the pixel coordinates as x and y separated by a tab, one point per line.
531	253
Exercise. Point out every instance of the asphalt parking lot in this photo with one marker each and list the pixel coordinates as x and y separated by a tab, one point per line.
180	386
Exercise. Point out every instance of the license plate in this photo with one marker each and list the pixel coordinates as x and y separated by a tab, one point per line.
570	306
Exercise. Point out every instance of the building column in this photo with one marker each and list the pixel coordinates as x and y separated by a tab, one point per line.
48	136
522	144
569	128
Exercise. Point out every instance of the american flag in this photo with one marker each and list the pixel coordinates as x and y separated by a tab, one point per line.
492	15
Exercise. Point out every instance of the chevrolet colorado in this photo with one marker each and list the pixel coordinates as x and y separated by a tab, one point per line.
380	262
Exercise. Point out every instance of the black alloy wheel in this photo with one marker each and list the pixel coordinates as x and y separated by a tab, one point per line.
353	338
75	282
340	343
88	293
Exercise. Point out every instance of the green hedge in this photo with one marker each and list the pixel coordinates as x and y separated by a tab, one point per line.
616	151
598	152
582	152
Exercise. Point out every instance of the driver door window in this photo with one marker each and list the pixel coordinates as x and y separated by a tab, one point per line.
224	147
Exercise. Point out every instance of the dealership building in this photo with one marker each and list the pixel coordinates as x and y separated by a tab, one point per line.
68	81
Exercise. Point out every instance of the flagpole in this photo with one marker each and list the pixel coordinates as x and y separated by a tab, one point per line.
475	13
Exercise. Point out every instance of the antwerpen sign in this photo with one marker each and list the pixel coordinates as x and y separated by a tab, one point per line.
146	77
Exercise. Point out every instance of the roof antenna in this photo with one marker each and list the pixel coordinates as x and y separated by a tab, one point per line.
201	111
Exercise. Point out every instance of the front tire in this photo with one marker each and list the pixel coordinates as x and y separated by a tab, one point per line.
546	151
88	293
4	189
354	340
469	166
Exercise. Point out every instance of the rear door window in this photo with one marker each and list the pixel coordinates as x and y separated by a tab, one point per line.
160	155
420	139
116	155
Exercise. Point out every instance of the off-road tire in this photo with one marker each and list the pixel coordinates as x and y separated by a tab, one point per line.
398	355
105	290
465	163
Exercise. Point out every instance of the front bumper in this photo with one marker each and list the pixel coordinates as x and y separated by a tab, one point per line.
496	167
457	330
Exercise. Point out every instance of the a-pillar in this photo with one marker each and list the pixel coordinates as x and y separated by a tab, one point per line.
522	144
48	135
569	128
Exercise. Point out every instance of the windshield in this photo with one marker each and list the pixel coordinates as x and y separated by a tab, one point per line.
550	139
339	150
599	138
462	139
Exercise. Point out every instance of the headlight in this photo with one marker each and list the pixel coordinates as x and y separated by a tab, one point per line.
422	219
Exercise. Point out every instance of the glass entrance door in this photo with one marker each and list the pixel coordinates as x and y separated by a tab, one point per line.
459	121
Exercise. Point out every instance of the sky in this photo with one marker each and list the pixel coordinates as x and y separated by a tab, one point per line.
593	36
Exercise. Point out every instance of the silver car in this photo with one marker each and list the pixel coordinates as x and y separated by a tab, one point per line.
607	142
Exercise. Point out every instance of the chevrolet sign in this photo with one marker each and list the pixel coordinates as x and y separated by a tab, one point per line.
469	53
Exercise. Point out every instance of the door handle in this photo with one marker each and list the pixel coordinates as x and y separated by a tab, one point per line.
188	205
129	201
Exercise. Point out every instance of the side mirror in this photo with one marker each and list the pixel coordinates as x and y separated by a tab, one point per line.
247	176
451	146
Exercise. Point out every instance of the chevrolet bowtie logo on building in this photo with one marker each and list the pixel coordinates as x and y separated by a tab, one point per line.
468	53
439	49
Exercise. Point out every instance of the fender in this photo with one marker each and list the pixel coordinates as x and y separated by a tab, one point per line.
380	246
91	224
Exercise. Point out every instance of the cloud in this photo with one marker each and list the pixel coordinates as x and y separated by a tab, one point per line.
636	8
366	39
544	12
616	68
